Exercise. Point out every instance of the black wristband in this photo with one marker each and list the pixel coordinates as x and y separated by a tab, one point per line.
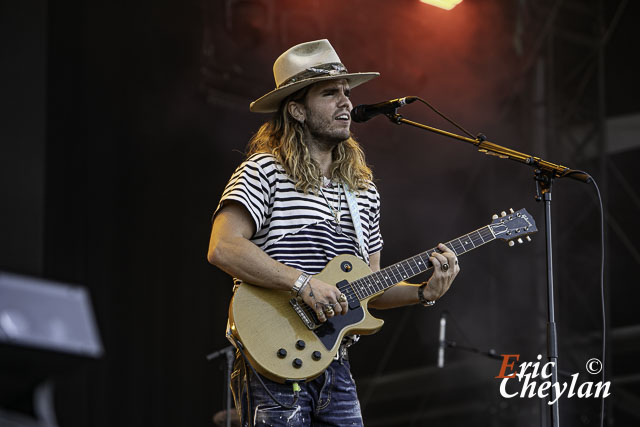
425	302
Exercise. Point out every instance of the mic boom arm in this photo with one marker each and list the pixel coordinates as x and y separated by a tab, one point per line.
487	147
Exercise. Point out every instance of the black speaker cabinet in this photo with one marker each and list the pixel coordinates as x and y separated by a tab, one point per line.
45	328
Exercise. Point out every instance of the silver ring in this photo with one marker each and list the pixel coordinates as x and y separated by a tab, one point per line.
342	298
445	266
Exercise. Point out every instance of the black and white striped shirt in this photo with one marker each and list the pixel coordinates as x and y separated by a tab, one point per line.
299	229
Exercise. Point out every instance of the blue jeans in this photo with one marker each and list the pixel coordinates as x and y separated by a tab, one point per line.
329	400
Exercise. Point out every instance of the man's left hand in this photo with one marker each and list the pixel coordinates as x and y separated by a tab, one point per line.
445	269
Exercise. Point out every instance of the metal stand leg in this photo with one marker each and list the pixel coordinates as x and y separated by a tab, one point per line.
43	404
229	355
543	185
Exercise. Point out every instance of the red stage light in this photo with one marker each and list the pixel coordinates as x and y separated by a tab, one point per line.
443	4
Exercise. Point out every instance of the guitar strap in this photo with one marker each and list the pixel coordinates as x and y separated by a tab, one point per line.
355	217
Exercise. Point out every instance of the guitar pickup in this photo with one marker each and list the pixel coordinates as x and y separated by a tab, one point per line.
352	300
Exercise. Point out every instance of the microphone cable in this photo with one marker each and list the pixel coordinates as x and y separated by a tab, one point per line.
602	297
441	114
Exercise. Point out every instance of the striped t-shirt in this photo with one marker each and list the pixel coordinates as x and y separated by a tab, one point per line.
299	229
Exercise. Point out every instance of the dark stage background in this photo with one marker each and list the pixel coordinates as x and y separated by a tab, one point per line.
122	121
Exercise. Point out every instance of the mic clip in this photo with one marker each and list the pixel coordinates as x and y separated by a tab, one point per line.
395	117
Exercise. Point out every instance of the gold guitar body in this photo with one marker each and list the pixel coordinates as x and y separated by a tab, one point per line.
265	322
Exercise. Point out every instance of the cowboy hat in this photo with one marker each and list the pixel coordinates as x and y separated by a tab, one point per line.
301	66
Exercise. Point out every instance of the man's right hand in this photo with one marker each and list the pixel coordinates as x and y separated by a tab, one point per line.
326	300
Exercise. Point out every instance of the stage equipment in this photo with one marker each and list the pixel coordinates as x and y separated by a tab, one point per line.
444	343
362	113
441	339
443	4
46	328
227	418
227	415
544	174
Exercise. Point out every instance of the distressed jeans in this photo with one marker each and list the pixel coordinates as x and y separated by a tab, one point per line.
329	400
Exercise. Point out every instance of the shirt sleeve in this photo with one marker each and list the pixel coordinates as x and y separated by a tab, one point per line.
249	185
375	237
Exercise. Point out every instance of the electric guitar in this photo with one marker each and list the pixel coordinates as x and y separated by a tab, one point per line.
282	337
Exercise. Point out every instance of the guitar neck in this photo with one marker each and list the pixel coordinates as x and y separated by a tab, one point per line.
410	267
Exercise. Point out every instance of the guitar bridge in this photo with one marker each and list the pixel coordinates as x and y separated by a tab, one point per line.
299	309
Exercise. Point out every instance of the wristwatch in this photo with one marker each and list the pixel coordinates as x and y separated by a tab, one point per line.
425	302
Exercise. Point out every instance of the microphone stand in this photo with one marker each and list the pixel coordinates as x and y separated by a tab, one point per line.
228	352
544	174
491	353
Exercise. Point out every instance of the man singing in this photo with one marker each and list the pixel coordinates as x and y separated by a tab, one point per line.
285	214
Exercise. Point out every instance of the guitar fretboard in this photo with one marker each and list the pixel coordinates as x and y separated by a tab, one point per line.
410	267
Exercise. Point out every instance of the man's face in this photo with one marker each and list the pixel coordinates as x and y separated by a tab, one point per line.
327	111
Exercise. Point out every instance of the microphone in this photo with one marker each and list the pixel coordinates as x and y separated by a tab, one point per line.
364	112
442	342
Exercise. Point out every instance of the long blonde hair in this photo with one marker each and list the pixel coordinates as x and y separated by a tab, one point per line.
282	136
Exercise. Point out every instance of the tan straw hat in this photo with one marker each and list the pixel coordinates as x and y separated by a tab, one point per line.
302	65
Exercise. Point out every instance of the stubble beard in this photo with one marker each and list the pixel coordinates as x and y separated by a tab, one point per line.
322	134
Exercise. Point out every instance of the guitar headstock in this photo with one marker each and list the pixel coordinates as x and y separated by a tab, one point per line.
513	226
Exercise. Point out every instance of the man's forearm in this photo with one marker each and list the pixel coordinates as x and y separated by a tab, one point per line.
242	259
402	294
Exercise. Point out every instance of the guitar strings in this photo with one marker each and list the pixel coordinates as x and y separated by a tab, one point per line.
455	245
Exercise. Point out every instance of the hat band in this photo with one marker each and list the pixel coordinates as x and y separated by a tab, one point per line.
330	69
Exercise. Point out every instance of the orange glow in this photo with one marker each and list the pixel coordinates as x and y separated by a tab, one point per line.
443	4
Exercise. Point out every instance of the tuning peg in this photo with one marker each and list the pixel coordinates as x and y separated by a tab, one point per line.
528	239
510	210
503	213
520	240
495	216
511	243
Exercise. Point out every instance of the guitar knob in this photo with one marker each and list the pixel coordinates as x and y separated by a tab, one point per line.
282	353
316	355
528	239
297	363
495	216
520	240
300	345
511	243
503	213
510	210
